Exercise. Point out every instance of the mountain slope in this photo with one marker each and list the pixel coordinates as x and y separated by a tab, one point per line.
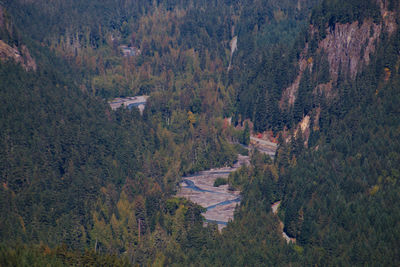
74	172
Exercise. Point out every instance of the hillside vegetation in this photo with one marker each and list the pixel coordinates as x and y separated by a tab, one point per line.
81	184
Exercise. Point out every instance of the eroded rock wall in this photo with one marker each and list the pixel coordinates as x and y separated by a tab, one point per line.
348	48
19	54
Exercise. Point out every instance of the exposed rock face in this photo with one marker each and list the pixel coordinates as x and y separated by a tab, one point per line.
325	89
7	51
29	63
21	55
304	129
348	48
18	54
233	45
389	17
289	94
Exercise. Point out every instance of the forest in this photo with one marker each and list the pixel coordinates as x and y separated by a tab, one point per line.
82	184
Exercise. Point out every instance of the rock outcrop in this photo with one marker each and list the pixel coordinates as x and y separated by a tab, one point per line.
348	48
19	54
289	94
233	45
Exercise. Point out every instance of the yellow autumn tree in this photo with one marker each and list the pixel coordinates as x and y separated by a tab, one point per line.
191	117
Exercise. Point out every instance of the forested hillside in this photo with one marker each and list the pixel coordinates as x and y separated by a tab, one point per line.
70	165
82	184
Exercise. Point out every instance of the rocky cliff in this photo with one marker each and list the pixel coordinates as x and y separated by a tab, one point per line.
348	48
10	50
18	54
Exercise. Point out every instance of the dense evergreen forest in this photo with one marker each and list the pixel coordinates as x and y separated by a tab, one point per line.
82	184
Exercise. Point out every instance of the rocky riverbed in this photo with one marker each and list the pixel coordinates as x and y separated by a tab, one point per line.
220	202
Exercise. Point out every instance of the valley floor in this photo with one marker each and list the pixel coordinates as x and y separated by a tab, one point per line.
220	202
